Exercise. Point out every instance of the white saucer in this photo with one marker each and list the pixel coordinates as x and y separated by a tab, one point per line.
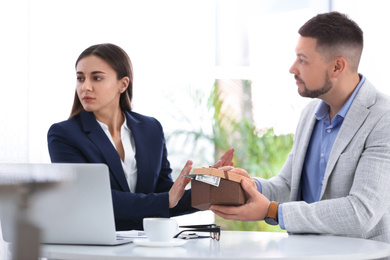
146	242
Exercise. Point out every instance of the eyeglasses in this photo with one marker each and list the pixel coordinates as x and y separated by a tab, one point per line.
215	231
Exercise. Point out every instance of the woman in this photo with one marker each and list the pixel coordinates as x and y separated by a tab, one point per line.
103	129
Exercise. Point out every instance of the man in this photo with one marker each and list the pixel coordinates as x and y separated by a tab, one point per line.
336	179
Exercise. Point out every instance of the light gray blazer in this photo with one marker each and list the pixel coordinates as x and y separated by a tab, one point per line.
355	196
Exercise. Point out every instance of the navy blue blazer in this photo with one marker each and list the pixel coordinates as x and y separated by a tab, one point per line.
81	139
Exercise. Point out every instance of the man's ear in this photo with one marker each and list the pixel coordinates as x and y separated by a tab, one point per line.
339	66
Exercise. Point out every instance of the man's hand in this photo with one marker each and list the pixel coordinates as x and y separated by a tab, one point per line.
238	171
254	209
226	159
177	190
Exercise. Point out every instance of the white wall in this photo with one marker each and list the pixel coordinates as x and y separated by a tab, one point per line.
14	99
171	44
373	17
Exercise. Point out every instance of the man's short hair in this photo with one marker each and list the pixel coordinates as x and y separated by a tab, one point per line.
337	36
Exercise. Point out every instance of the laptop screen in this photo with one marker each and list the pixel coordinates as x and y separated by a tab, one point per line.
77	210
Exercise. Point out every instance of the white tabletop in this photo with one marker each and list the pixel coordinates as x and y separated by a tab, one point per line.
234	245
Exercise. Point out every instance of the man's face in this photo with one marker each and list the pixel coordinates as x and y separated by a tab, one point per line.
309	69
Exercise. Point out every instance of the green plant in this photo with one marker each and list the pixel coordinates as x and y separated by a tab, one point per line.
259	151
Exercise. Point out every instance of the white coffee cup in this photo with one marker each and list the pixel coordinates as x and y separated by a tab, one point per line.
160	229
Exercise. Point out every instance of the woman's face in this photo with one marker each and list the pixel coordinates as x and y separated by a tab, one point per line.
97	85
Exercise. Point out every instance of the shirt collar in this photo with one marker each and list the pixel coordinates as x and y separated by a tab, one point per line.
125	126
105	127
323	109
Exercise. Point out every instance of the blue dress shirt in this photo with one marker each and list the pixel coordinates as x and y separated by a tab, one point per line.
324	134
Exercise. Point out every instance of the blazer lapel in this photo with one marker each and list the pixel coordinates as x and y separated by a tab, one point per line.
300	155
354	119
141	153
96	134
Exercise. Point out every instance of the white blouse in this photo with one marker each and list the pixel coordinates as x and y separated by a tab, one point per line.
129	164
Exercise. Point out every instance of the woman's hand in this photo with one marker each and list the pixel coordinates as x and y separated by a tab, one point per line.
226	159
177	190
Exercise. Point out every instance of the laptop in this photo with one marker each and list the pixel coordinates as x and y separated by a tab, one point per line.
76	210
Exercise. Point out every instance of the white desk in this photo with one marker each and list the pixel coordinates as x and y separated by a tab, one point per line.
234	245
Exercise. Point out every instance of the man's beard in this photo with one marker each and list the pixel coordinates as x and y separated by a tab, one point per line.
318	92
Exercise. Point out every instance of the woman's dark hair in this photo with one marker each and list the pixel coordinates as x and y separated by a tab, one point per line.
120	62
336	35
